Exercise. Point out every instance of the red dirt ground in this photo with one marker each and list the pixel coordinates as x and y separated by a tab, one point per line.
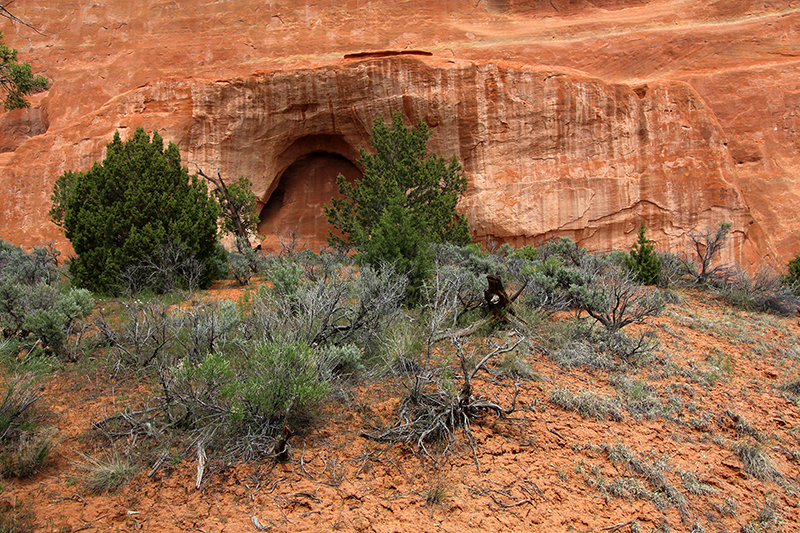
542	468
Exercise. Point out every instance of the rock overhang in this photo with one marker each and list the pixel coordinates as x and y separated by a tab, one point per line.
548	152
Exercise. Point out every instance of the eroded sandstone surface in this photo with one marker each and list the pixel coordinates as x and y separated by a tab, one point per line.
577	119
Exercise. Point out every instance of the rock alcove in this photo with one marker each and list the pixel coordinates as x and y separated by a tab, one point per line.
295	202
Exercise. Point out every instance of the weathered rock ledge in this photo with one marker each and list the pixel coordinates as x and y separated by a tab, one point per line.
677	115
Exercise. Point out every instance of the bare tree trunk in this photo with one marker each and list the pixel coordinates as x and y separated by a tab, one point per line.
239	229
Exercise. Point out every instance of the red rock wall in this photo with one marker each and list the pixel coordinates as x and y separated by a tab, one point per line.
642	122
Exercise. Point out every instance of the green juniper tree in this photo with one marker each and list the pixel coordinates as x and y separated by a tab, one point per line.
17	79
793	277
405	201
127	209
643	262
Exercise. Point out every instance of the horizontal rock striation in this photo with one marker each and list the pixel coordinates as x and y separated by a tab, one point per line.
603	114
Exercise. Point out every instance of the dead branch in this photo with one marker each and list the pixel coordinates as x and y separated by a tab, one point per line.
219	183
615	527
432	413
201	464
4	12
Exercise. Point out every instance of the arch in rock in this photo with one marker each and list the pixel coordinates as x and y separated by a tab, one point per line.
305	182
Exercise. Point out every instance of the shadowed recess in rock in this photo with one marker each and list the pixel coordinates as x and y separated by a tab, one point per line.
296	204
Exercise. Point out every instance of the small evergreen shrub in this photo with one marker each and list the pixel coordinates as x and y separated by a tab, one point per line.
643	262
793	275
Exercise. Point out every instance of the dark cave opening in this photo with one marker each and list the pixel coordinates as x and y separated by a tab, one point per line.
296	204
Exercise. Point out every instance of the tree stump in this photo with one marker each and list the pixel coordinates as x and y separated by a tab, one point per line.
496	297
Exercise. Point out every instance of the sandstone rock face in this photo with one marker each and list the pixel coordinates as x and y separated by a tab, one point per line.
571	119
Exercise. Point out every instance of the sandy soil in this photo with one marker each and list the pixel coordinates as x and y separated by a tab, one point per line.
543	468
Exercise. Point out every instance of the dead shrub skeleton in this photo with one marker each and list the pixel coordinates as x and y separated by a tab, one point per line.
433	409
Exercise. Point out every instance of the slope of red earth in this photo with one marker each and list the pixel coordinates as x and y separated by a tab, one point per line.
715	382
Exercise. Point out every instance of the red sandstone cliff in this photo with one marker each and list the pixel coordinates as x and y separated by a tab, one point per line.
571	118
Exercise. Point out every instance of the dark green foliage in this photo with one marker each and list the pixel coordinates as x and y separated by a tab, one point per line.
793	276
643	261
238	207
239	218
528	253
405	201
17	79
119	213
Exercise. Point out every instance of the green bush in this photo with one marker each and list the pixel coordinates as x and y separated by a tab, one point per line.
643	262
279	379
244	263
285	278
793	275
550	276
564	248
405	201
238	210
125	209
38	266
18	80
242	403
34	313
335	360
458	284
